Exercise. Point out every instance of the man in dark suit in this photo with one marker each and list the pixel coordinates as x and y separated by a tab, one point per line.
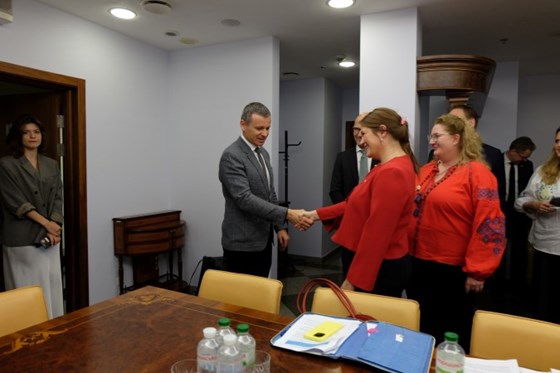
518	171
346	175
251	213
493	156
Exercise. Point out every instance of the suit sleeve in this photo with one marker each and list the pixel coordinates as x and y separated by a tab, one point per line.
337	191
488	241
234	179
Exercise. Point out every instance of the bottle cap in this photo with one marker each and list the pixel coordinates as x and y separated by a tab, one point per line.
230	339
209	332
243	328
224	321
451	337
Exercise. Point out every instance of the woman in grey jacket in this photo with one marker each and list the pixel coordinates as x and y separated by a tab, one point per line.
31	197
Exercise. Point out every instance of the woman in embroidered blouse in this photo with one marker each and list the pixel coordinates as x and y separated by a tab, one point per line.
31	196
457	234
373	221
545	232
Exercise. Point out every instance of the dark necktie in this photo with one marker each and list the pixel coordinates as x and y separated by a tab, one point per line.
263	164
511	185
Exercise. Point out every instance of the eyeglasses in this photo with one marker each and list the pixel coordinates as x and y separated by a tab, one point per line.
523	155
435	136
356	130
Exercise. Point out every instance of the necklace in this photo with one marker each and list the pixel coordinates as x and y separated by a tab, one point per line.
421	196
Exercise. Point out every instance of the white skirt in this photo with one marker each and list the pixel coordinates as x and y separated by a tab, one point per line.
30	265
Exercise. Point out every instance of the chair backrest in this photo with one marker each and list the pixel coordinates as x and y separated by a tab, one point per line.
21	308
397	311
534	343
244	290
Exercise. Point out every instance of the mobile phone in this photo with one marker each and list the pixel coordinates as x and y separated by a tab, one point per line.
323	331
555	201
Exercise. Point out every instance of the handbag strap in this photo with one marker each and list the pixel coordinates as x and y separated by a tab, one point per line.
341	295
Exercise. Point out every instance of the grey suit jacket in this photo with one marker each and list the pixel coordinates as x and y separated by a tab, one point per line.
251	208
23	189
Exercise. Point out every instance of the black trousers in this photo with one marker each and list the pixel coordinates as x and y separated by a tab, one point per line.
393	275
444	304
546	286
250	262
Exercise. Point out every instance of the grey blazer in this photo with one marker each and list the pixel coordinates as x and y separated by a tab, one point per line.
23	189
251	208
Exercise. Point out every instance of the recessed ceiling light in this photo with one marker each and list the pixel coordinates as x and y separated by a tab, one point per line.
188	41
339	4
347	64
122	13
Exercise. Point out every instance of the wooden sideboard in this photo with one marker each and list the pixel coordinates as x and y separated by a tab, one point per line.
144	237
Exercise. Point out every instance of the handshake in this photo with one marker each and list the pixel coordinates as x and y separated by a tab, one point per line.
302	219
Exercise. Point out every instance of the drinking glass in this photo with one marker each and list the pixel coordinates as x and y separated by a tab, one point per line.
262	362
185	366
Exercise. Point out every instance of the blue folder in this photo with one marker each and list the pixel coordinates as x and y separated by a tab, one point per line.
388	347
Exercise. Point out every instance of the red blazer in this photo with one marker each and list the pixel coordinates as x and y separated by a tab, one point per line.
373	221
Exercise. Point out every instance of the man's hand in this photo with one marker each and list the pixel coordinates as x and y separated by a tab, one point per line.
283	239
298	219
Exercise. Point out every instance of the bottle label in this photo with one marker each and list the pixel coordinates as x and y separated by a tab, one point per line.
446	366
207	363
248	359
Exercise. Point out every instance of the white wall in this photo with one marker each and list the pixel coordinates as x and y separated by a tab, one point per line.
539	113
389	46
498	120
155	130
126	118
205	105
302	114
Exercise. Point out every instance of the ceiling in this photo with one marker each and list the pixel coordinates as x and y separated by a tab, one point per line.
312	35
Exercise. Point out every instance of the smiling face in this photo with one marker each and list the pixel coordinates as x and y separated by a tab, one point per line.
31	136
371	142
256	130
444	144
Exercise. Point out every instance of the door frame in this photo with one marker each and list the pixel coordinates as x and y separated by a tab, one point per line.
73	91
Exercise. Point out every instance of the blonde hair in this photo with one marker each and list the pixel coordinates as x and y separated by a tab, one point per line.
396	126
551	168
470	144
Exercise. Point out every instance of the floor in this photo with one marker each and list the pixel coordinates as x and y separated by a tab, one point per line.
295	271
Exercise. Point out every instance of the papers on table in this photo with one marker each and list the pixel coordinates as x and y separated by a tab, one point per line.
474	365
294	340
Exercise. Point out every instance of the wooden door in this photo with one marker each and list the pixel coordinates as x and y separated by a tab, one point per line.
58	101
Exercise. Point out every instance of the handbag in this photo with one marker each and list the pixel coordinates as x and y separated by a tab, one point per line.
346	302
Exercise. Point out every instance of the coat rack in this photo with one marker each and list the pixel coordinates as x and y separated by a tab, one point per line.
286	202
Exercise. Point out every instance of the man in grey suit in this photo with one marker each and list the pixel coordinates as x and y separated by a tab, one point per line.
252	212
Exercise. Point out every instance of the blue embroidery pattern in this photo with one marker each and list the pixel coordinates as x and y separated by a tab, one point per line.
492	231
487	193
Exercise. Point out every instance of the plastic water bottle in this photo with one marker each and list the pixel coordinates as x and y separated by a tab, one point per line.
223	329
247	346
207	351
450	356
229	356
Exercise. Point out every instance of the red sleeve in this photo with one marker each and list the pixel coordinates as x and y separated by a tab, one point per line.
332	215
488	241
389	196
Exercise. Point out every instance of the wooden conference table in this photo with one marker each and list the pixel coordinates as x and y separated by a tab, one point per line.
145	330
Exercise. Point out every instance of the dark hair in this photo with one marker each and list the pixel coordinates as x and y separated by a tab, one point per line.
254	108
14	139
522	143
469	112
396	126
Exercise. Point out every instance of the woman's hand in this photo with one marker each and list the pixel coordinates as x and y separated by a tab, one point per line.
473	285
53	228
539	207
346	285
55	239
